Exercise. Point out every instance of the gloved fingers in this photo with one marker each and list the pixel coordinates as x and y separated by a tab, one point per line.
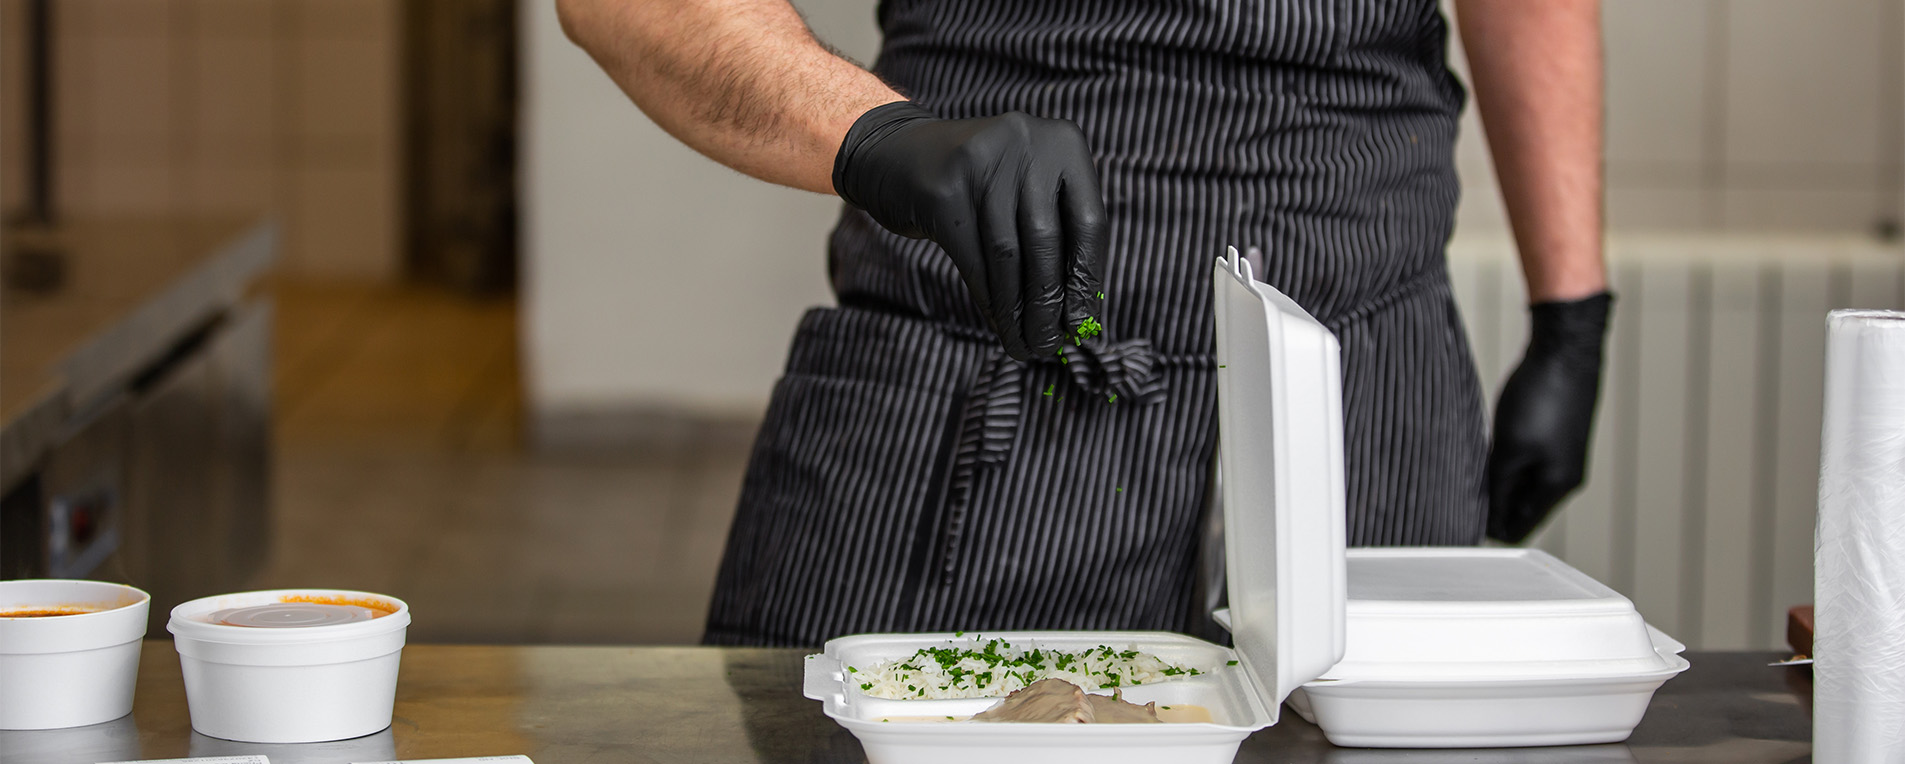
1042	235
1507	498
1084	228
999	234
1523	491
959	236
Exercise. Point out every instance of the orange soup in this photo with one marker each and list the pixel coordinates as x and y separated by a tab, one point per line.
378	608
47	612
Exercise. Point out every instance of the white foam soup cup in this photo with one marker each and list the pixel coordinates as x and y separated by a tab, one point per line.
69	652
306	666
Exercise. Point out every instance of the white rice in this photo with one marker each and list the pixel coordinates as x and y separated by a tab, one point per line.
994	669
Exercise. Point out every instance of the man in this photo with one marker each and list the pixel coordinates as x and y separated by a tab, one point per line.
1009	420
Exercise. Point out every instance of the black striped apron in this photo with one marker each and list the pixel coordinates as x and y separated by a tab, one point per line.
911	477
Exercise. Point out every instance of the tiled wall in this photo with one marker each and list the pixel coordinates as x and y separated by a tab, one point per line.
221	107
1741	116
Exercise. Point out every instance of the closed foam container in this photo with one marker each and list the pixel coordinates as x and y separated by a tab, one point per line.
1485	647
289	685
1407	647
69	670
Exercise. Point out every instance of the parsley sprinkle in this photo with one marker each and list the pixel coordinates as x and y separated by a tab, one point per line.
1231	663
1101	295
1113	398
1221	366
1048	389
1087	329
991	668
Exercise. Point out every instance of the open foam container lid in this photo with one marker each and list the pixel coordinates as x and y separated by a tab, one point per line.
1279	383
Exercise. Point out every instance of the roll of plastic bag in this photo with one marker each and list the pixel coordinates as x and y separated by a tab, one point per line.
1859	546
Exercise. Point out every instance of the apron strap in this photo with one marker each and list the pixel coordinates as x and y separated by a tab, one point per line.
995	405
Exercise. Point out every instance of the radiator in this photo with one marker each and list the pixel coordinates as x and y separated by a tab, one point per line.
1703	479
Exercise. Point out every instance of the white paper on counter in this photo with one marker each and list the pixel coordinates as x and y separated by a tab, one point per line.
252	759
1859	547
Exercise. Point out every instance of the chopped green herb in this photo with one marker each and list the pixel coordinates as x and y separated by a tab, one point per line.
1101	295
1231	663
1087	329
852	670
1221	366
993	667
1112	399
949	718
959	634
1120	489
1049	388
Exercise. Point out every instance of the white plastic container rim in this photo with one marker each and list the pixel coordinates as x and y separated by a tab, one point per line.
318	645
105	627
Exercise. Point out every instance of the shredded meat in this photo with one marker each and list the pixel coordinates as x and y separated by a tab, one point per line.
1056	701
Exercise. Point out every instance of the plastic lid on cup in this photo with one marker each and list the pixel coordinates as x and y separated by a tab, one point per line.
292	615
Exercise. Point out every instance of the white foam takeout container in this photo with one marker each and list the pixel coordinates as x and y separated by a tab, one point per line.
1236	705
1485	648
1447	647
288	685
69	670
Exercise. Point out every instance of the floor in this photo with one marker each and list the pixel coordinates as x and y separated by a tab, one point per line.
399	470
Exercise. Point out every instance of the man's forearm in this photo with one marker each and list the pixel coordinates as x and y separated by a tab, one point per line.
1536	68
741	81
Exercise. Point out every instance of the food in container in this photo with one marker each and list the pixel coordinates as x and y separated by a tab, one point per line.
1208	713
290	666
69	652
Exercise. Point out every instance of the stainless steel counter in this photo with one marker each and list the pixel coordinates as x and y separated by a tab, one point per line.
570	705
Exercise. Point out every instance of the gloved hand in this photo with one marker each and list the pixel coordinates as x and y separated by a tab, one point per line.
1545	415
1013	199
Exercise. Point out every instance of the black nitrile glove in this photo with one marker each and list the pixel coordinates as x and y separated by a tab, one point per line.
1545	415
1013	200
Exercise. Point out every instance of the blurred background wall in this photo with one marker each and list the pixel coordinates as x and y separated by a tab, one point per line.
658	284
228	108
1740	116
